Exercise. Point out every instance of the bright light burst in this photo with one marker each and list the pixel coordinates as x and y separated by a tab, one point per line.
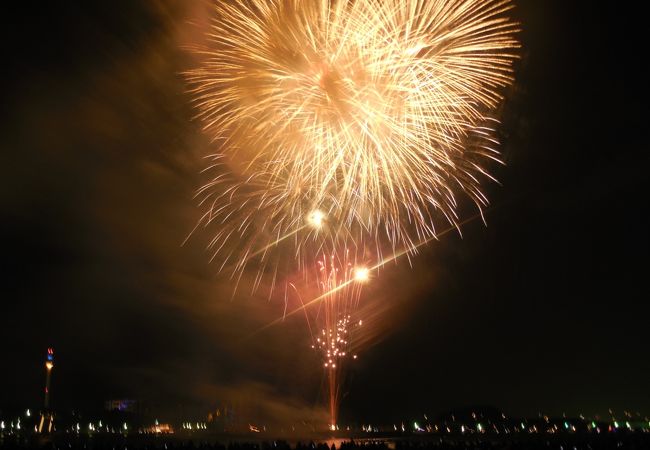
361	274
316	218
374	114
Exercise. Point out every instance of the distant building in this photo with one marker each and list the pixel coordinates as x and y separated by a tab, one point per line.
122	405
46	423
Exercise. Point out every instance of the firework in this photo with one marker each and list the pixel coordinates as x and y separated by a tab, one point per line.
333	320
347	121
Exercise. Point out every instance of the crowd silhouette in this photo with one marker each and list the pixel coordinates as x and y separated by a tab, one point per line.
631	441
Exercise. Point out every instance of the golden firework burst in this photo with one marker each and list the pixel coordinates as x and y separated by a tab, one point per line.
347	120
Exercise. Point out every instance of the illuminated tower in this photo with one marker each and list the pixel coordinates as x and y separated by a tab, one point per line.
49	364
47	418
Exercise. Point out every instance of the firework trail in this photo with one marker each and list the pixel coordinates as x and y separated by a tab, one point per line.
376	113
333	320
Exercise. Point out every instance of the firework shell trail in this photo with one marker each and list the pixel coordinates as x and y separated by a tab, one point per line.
334	321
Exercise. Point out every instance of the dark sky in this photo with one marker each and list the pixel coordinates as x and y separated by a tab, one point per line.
545	309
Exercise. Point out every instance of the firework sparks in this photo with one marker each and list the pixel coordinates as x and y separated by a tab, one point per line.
374	115
340	290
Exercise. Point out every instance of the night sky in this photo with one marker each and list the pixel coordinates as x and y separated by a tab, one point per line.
544	309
